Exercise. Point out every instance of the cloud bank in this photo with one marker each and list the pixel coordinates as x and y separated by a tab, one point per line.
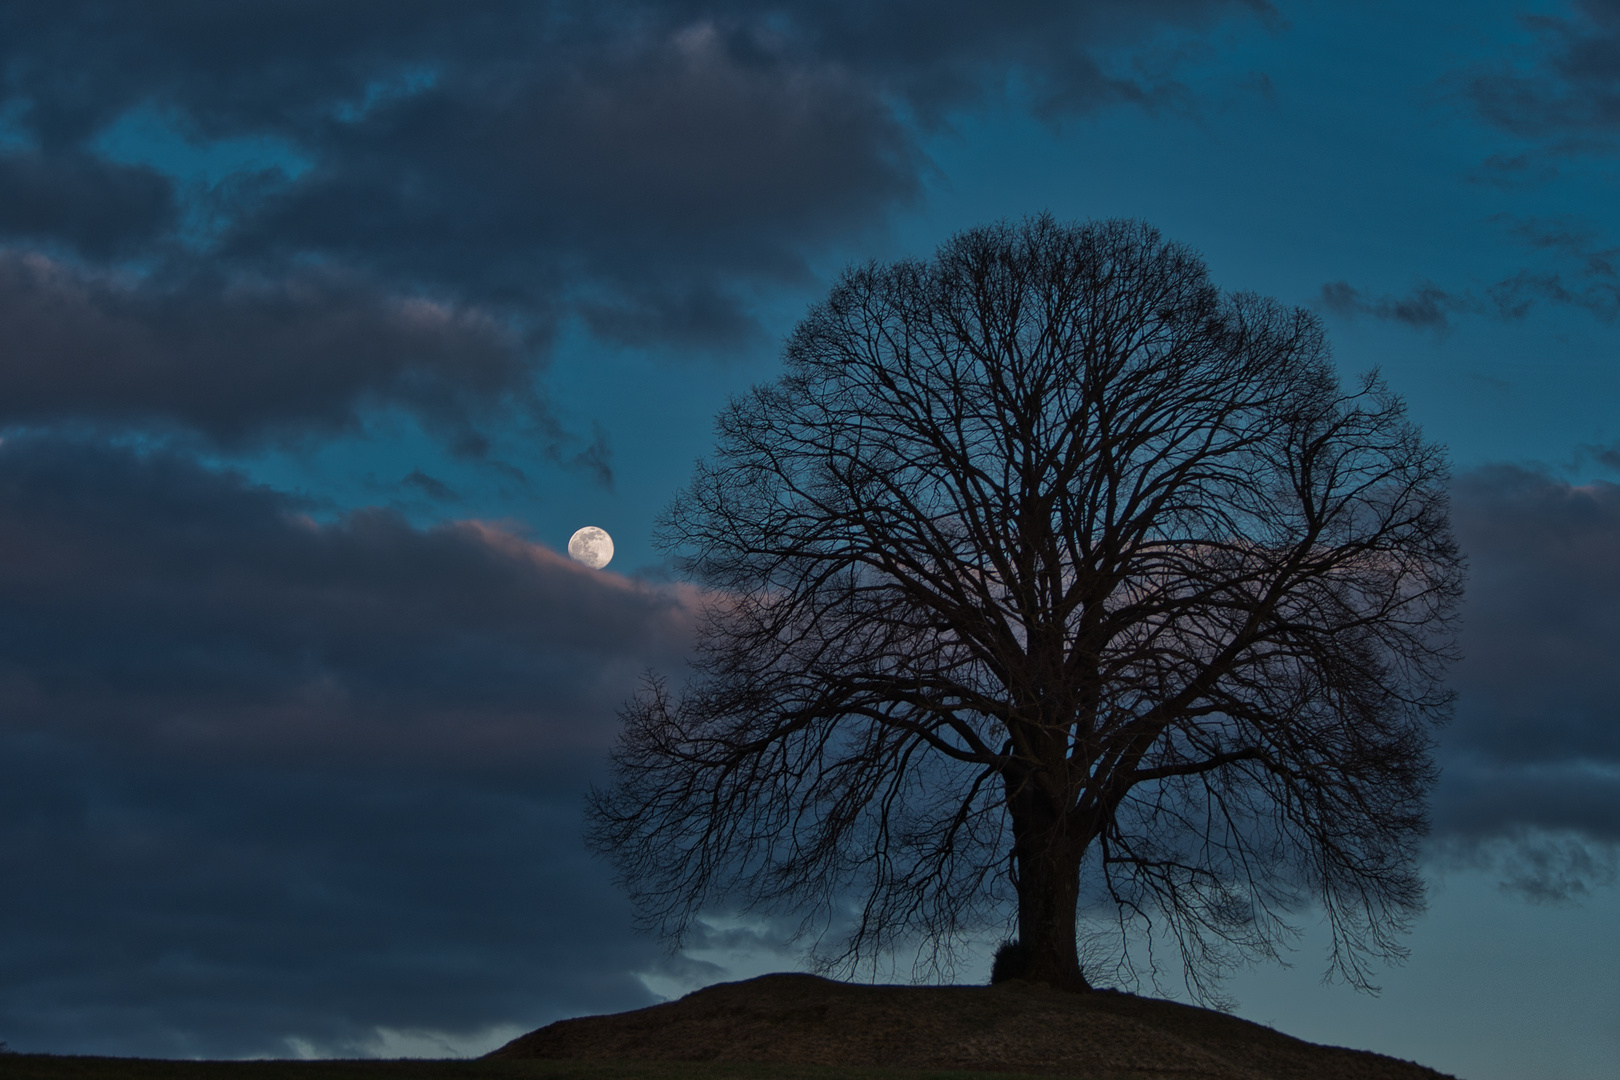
271	779
650	171
1532	763
240	361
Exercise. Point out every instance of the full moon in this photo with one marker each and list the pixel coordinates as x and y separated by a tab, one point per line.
591	546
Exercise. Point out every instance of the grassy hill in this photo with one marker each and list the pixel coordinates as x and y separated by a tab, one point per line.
1015	1027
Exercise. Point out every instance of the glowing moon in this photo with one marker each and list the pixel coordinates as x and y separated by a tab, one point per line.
591	546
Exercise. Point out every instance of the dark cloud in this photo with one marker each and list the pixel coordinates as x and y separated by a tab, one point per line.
245	910
291	67
94	207
941	55
655	170
147	589
1568	96
1543	619
267	778
242	360
668	161
1532	763
649	165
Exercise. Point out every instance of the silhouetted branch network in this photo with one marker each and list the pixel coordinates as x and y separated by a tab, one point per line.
1049	573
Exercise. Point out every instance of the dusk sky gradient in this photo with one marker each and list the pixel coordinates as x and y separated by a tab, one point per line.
324	325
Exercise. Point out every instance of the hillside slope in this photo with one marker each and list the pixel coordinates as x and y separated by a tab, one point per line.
1013	1027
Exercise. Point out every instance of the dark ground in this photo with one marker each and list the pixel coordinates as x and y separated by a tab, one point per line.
1012	1027
53	1067
799	1027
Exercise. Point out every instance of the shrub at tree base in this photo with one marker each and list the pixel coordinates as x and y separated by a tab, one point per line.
1011	962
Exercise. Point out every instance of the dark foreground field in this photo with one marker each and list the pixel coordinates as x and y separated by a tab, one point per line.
798	1027
50	1067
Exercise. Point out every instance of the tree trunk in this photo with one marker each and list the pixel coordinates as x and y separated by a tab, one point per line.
1048	894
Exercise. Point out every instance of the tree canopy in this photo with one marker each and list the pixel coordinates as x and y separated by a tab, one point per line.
1050	581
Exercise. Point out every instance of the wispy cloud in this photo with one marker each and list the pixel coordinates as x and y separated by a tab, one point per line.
1584	273
1566	94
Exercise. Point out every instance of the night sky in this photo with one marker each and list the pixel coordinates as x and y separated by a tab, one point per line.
324	325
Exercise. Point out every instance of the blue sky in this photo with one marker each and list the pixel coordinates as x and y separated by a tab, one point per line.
322	327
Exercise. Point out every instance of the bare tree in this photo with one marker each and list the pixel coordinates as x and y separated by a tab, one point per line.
1048	571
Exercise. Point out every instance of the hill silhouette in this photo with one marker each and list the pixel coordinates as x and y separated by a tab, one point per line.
1011	1027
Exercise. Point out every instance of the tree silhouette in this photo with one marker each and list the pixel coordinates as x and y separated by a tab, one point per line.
1048	573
